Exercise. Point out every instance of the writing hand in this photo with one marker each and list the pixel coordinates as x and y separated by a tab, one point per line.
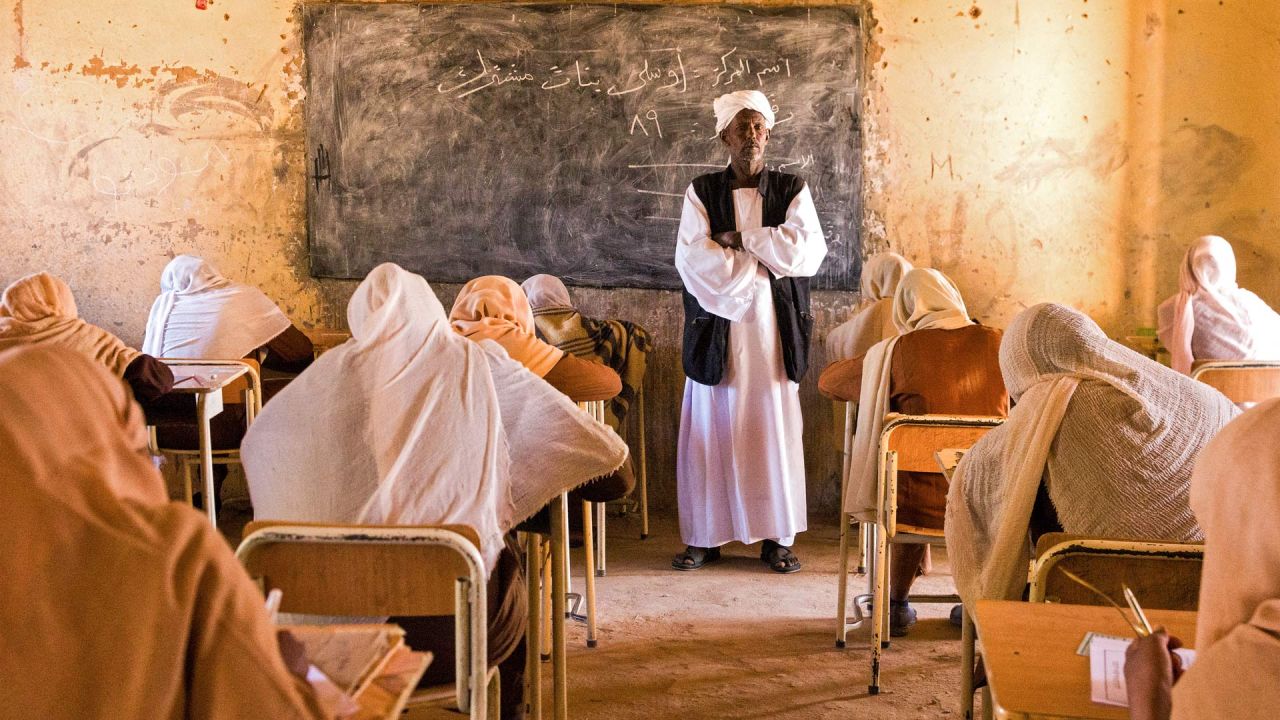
1150	668
731	240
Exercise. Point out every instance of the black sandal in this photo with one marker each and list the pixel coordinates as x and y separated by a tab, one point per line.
695	557
779	558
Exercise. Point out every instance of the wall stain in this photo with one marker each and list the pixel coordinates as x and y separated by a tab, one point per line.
119	73
20	59
1202	161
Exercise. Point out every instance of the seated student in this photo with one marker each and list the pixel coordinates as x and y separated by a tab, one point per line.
942	362
618	344
117	603
1212	318
495	308
408	423
39	309
872	321
1235	492
1100	442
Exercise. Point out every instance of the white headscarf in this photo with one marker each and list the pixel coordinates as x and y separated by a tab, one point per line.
926	300
546	291
873	320
201	314
403	424
728	106
1117	465
1213	318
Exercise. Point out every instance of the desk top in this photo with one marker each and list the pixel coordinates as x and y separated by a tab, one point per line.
204	377
1029	650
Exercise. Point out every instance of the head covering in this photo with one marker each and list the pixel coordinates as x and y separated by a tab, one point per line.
1117	465
495	308
1235	493
1211	317
402	424
925	300
111	575
873	319
880	276
728	106
546	291
40	309
201	314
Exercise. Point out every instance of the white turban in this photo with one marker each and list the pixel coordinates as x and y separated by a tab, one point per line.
727	107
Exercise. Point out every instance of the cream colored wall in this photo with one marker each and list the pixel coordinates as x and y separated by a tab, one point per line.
1033	150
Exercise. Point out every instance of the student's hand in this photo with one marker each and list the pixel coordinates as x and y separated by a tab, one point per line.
731	240
1150	668
293	652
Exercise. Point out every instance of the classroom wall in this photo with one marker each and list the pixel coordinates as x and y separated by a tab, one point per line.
1063	150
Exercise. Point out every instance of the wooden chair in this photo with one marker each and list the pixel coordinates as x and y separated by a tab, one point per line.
1242	381
1163	575
245	390
845	417
907	443
362	570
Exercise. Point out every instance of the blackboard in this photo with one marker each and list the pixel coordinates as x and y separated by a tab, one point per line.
468	139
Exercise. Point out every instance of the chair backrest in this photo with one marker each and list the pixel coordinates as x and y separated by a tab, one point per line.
1241	381
1163	575
247	388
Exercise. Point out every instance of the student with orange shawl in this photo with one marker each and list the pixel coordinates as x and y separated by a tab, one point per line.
117	603
1237	670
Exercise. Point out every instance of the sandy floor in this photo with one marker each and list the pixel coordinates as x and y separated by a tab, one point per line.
734	640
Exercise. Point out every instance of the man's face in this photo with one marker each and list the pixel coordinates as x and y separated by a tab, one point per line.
746	137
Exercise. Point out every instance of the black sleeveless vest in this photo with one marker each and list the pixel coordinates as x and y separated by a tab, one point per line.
706	335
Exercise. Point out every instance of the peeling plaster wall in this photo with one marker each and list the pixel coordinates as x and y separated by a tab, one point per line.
1034	151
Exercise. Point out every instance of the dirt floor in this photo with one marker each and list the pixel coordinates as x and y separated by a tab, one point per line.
734	640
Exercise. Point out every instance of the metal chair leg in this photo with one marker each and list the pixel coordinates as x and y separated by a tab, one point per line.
533	635
842	583
559	589
967	646
545	647
601	538
644	471
589	571
879	611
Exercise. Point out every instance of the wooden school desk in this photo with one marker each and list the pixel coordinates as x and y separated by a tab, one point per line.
205	380
1029	651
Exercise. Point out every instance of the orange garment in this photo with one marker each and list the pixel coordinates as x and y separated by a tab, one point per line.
40	309
495	308
583	380
950	372
115	602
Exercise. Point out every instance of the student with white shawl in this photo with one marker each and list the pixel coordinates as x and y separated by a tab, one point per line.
943	362
872	321
201	314
409	423
1235	492
1213	318
1100	442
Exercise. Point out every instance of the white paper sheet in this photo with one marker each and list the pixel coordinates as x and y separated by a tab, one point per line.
1106	667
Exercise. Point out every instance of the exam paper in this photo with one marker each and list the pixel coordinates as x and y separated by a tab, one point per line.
1106	667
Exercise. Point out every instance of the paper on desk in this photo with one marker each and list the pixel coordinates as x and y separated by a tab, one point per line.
1106	668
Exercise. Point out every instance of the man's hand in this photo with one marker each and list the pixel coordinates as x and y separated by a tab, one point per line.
1150	668
731	240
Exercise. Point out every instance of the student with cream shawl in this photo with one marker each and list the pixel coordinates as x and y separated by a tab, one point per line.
1235	492
117	603
1100	442
1213	318
408	423
942	362
39	309
201	314
873	320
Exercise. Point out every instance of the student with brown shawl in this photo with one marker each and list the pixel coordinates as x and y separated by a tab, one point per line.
39	309
943	363
1235	493
116	603
618	344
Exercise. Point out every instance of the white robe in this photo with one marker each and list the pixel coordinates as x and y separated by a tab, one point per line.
740	454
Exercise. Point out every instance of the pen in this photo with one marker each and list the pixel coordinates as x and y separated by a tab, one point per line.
1142	630
1130	598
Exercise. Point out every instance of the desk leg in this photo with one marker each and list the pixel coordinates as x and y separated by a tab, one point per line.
533	636
967	659
599	509
203	409
559	589
589	578
643	468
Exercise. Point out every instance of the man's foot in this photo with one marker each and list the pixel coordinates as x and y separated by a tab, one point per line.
901	617
695	557
779	558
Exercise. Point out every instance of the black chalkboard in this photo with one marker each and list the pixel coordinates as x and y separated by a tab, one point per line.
462	140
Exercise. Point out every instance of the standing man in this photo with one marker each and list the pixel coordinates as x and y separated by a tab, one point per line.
749	241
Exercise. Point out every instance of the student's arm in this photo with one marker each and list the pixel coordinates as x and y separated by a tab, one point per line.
290	351
148	378
582	380
842	380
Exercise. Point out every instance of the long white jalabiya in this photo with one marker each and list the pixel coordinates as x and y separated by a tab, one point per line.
1112	434
409	423
1235	493
872	321
728	106
739	458
925	300
1213	318
201	314
39	309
